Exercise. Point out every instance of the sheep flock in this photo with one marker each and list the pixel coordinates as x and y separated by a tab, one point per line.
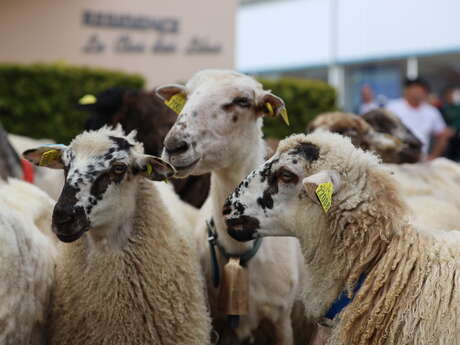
344	236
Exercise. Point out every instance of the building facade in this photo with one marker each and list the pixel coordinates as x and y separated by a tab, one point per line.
352	42
165	41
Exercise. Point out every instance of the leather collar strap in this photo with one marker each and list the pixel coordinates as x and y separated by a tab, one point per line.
343	300
213	242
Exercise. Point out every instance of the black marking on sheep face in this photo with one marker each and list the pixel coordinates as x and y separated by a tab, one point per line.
69	221
243	228
308	151
266	201
85	188
266	170
121	144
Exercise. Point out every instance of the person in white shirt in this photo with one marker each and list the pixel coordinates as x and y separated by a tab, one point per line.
424	120
367	100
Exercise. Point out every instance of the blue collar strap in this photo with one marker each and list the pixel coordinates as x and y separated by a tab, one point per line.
343	300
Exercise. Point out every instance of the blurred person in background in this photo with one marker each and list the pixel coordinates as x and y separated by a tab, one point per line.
451	113
367	100
424	120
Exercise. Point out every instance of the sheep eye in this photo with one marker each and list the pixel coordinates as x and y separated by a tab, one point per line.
242	102
119	169
287	177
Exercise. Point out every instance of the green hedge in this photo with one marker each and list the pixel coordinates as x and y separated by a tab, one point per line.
304	100
39	100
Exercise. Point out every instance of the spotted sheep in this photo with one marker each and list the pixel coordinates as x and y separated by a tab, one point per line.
126	274
401	279
218	130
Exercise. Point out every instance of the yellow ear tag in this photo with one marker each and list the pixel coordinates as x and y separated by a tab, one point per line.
284	115
87	99
176	102
324	192
149	169
48	157
270	109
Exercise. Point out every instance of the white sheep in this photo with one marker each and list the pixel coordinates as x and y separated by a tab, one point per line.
51	181
353	226
219	131
127	275
27	261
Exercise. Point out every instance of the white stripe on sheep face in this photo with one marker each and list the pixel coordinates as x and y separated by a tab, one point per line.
101	169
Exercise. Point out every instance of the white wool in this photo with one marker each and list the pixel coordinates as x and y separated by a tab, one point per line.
27	260
228	143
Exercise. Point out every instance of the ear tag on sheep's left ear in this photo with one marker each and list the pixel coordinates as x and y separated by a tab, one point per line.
324	192
49	156
270	109
176	102
149	169
284	115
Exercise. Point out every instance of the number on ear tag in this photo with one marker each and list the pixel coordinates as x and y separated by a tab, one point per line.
324	192
48	156
284	115
176	102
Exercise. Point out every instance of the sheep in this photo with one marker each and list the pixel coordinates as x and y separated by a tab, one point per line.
352	223
145	112
27	261
219	131
378	130
430	188
125	273
11	164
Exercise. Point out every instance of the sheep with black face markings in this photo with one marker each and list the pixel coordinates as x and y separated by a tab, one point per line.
130	276
356	240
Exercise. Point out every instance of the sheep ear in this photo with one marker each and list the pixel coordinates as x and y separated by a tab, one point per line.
321	186
273	106
46	156
154	168
173	95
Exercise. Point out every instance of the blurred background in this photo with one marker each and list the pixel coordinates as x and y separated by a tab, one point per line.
318	55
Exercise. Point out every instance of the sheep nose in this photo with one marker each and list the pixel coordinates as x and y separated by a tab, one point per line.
173	146
63	215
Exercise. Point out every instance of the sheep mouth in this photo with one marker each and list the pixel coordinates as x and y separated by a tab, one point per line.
187	166
182	170
70	235
243	228
70	238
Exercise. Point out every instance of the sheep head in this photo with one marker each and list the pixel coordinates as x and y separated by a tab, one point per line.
219	120
378	131
299	187
101	170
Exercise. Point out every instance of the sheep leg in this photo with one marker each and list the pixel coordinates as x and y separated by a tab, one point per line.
283	332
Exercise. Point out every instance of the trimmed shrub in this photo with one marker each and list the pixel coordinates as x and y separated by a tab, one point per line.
304	100
39	100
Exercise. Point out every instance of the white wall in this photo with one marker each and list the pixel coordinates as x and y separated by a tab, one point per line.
296	33
283	34
368	29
